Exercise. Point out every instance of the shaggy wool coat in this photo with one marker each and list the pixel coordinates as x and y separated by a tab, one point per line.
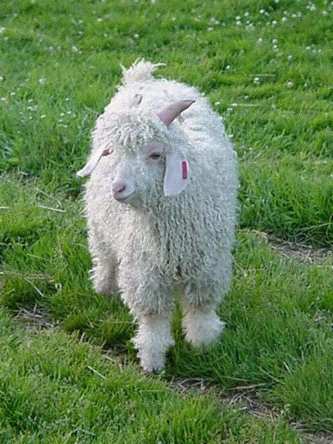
148	247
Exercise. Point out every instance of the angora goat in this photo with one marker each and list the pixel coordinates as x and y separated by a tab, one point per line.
161	208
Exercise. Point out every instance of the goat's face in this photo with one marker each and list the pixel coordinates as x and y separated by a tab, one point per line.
140	175
137	176
141	162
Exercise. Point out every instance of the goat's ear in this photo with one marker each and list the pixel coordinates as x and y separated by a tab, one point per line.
93	162
176	174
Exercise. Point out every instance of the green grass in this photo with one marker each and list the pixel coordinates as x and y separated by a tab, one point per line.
54	389
60	65
272	83
279	312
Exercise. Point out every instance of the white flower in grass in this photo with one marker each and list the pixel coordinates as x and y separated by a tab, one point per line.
256	80
214	21
290	84
1	78
42	81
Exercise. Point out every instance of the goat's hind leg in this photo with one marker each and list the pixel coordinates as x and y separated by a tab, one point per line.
103	275
104	271
201	324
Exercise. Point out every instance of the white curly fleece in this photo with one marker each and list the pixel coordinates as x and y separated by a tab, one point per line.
149	245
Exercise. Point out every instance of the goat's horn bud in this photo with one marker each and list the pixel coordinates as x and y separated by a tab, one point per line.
171	112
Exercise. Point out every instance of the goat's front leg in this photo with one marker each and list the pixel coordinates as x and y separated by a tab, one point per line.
153	340
149	299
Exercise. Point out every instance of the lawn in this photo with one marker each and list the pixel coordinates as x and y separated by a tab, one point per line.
266	66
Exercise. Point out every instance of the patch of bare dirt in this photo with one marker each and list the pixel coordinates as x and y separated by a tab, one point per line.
35	319
318	438
244	398
301	252
297	250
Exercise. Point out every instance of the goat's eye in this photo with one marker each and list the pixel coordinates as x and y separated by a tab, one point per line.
154	156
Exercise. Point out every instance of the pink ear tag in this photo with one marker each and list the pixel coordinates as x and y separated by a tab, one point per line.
184	169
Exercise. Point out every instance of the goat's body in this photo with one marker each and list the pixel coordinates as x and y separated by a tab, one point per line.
185	240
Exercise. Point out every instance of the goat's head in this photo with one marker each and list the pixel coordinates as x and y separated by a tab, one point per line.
142	159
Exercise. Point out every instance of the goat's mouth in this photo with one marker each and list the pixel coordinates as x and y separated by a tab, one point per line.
124	199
